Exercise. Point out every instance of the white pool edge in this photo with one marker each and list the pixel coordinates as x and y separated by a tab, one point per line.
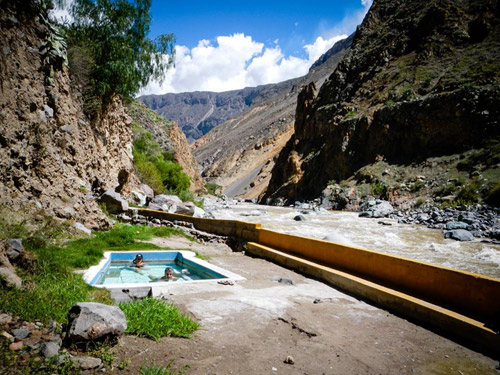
92	271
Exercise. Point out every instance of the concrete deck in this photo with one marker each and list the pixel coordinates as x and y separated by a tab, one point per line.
252	326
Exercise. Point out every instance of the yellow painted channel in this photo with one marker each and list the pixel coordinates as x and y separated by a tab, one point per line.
472	296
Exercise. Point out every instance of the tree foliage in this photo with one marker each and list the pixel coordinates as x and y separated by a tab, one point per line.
114	33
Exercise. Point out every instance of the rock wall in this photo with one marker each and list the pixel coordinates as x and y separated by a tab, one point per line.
421	80
52	158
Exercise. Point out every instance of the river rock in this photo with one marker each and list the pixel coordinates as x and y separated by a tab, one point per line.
451	225
459	235
114	202
89	321
376	209
299	218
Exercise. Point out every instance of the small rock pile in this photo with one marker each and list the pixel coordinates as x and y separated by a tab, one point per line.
480	221
87	323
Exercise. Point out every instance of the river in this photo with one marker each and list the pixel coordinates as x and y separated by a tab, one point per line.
409	241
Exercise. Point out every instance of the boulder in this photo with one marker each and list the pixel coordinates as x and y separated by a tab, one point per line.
82	228
189	209
451	225
138	197
459	235
89	321
164	202
114	202
376	209
299	218
148	192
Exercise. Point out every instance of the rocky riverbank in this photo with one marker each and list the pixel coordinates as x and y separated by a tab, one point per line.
479	222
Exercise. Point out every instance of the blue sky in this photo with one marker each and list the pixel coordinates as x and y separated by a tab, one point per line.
292	23
229	45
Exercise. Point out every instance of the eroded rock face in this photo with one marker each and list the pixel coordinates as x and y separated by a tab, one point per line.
94	322
412	86
51	156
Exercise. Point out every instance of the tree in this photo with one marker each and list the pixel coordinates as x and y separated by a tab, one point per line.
114	36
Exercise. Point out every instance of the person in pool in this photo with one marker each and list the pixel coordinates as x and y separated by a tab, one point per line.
168	275
138	261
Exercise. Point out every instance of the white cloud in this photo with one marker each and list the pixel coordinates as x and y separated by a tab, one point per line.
234	62
237	61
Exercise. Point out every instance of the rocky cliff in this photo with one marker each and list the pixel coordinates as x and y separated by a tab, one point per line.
170	138
239	154
52	158
421	80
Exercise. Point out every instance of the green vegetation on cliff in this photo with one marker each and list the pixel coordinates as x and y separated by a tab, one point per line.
157	169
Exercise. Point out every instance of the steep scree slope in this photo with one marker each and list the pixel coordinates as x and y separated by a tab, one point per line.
238	154
421	79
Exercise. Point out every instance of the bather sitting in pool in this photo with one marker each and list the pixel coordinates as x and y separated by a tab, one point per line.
169	275
138	261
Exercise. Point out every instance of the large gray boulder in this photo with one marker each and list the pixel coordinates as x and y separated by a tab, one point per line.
165	202
88	321
189	209
376	209
114	202
459	235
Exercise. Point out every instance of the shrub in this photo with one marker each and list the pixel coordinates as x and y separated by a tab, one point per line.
420	201
163	175
493	196
379	190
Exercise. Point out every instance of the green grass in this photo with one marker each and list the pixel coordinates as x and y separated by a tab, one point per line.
153	369
156	319
51	287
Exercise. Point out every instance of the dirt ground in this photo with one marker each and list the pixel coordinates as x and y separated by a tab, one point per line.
253	326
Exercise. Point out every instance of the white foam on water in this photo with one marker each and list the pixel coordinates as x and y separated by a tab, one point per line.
408	241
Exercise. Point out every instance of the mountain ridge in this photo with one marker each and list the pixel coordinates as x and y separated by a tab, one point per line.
232	151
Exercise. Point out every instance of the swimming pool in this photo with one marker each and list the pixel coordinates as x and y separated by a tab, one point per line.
116	269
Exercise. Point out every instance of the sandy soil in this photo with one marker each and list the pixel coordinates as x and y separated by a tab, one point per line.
253	326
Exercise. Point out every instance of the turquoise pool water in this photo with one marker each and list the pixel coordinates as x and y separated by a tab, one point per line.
119	269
